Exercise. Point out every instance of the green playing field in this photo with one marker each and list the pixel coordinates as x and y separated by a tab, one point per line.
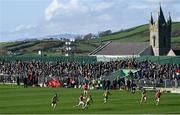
33	100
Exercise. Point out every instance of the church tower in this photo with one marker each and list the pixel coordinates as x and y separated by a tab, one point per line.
160	34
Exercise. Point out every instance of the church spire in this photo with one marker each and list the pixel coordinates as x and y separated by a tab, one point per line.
161	16
152	21
169	22
169	18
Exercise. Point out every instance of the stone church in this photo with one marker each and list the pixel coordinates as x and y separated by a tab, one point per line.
160	41
160	34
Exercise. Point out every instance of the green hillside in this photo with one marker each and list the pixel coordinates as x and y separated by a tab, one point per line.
139	34
30	47
55	47
49	47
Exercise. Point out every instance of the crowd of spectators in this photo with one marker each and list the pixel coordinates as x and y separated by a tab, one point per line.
72	73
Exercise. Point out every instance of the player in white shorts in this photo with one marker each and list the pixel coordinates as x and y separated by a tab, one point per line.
158	95
81	101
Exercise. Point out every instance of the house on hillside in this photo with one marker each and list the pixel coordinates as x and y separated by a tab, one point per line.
159	45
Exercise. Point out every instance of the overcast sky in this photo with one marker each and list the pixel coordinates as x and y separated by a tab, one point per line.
33	18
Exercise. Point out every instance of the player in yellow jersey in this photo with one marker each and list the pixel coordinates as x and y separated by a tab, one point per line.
144	96
89	100
106	95
54	101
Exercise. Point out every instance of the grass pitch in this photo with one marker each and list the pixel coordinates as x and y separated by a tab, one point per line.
31	100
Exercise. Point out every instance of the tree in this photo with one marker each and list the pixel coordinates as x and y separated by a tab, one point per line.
104	33
88	36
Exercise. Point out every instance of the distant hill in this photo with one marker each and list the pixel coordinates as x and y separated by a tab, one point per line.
57	36
65	35
56	47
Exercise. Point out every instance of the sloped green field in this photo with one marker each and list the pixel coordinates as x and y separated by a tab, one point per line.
139	34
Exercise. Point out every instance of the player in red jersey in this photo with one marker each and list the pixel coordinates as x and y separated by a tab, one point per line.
85	87
158	95
81	101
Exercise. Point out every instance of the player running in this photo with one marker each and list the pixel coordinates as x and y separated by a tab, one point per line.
106	95
158	95
144	96
89	100
81	101
54	101
85	87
